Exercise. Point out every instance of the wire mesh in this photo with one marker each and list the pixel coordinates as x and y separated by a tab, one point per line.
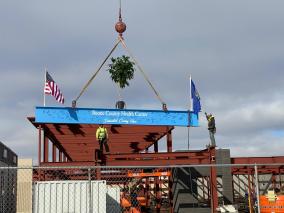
141	189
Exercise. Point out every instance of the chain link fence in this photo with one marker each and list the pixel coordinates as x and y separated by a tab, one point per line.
141	189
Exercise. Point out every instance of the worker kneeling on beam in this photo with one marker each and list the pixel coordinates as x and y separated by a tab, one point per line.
211	128
102	138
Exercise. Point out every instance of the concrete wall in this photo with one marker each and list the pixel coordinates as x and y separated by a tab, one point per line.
24	186
186	188
185	193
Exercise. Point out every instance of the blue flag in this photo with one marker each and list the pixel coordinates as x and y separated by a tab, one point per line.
195	99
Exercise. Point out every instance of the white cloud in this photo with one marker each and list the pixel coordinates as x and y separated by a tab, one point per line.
233	50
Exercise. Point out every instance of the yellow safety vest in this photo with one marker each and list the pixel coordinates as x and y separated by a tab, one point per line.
210	118
101	133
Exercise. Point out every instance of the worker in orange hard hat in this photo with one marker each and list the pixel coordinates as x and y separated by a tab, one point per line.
211	127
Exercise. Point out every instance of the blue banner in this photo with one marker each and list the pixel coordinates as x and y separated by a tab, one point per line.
114	116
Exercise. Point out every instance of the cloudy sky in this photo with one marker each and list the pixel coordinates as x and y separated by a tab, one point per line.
234	51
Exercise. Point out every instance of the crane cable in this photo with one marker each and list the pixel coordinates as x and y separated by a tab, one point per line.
97	71
141	70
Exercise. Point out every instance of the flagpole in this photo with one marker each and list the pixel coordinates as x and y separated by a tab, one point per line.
190	96
190	106
44	86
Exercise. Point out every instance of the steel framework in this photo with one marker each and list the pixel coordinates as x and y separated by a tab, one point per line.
75	145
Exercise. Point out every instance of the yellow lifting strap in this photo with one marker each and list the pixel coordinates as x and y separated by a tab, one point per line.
92	78
120	40
141	70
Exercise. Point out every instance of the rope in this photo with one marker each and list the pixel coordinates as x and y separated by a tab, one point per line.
92	78
141	70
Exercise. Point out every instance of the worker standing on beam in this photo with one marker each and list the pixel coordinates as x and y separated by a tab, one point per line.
212	128
102	137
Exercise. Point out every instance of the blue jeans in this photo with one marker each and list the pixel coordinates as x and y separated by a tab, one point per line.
212	138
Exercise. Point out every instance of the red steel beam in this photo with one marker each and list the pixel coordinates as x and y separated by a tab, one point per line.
45	148
163	159
166	155
249	190
156	147
147	159
258	160
39	144
169	141
53	152
54	140
60	155
70	163
157	194
213	180
263	169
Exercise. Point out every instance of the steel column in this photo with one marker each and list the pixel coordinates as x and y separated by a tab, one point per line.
45	148
60	155
156	147
213	181
157	188
203	188
257	187
98	173
273	180
249	191
53	152
39	144
147	186
157	194
208	189
280	182
169	141
171	192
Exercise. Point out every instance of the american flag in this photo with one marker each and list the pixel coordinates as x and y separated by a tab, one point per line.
51	88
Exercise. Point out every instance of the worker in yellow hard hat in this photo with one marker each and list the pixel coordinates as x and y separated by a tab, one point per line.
102	138
211	127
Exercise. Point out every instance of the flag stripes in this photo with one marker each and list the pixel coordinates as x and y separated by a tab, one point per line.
51	88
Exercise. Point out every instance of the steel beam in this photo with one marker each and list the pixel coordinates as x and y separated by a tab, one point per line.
53	152
156	147
169	141
39	144
60	155
155	159
250	191
57	143
157	194
213	181
45	148
257	160
115	116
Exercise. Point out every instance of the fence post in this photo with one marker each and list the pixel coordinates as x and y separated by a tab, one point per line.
213	180
90	190
257	188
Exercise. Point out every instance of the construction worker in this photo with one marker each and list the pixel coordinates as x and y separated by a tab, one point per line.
211	127
102	137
